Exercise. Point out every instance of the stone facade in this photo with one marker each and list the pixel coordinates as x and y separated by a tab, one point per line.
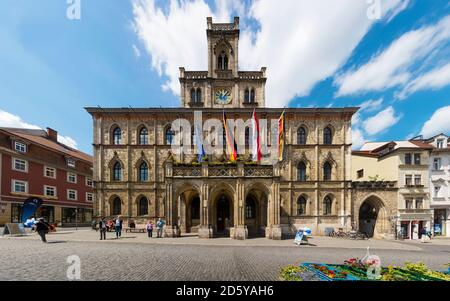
310	187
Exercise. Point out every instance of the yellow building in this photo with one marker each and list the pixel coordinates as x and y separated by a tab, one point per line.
405	163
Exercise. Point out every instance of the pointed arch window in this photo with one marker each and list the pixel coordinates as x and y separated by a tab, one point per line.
223	61
252	95
247	96
169	136
117	136
196	95
327	206
301	169
117	172
143	206
301	205
301	136
143	172
327	171
143	136
327	136
117	206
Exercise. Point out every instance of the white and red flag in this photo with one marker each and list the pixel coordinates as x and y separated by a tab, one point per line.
256	143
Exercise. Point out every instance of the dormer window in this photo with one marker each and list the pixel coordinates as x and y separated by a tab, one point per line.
20	147
71	163
440	143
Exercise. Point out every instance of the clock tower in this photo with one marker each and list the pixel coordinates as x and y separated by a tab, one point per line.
223	85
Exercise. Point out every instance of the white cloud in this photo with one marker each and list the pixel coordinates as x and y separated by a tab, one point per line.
301	42
392	67
13	121
371	105
68	141
358	138
438	123
434	79
381	121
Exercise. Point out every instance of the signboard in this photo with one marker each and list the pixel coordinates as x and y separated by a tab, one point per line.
29	208
14	229
301	237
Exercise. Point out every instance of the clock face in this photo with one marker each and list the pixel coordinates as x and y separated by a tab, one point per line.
223	97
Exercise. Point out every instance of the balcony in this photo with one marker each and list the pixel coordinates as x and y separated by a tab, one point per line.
224	74
221	171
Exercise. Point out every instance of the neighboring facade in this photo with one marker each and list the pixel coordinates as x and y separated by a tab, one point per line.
34	164
141	179
405	164
439	183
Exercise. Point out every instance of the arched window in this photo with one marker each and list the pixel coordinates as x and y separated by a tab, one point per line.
143	206
301	171
247	136
327	171
252	96
117	136
247	96
327	136
193	95
117	172
198	95
143	136
327	206
143	172
301	136
169	136
223	61
250	208
117	206
301	205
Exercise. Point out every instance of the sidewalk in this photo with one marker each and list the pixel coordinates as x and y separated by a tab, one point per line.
87	235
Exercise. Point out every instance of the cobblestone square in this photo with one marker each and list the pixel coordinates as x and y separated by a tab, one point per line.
135	257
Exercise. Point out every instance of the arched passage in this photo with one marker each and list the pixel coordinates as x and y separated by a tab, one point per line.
189	208
372	217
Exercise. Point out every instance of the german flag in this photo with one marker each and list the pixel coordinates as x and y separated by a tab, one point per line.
231	142
281	137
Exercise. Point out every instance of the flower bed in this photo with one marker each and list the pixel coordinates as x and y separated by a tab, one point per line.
355	270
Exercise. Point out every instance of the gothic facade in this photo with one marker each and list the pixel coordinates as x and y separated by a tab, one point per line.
139	177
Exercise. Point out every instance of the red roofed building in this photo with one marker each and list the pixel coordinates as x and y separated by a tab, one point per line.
34	164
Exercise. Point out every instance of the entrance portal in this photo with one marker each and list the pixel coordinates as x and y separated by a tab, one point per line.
368	215
223	214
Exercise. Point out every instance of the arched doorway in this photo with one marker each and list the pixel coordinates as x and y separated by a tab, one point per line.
194	214
256	212
373	219
223	215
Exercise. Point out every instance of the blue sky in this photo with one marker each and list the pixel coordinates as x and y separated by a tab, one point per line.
318	53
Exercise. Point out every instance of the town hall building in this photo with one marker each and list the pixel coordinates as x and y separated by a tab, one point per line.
138	176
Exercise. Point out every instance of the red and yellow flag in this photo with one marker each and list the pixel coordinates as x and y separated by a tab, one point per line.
281	137
231	142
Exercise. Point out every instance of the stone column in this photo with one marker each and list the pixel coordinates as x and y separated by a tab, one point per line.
240	231
205	229
171	228
273	230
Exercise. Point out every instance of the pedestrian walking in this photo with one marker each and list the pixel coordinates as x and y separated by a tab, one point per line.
159	227
42	229
118	227
103	226
150	229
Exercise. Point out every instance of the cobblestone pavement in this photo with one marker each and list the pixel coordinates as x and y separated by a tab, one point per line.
29	259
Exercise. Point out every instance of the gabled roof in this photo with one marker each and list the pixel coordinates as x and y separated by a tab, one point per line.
378	149
41	138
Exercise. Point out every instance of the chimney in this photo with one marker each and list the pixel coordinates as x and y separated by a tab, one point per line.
52	134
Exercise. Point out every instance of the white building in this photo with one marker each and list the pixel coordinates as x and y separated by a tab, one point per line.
439	183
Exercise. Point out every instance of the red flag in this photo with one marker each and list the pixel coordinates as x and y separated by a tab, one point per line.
256	143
